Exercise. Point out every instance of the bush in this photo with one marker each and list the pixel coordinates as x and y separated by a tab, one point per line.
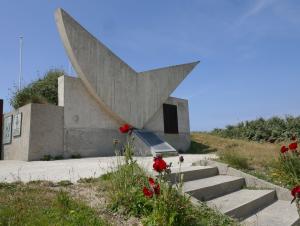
43	90
272	130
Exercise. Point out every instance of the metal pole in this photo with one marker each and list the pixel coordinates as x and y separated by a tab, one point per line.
1	125
20	61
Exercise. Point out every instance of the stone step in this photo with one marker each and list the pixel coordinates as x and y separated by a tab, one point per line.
193	173
213	187
280	213
243	203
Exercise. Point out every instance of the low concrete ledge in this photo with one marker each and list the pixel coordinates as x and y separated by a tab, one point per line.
251	181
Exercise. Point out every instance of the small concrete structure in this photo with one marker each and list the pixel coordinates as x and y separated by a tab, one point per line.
42	133
107	94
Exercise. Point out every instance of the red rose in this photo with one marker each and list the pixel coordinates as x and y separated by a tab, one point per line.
125	128
293	146
159	164
284	149
147	192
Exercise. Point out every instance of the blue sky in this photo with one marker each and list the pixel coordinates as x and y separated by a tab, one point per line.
249	50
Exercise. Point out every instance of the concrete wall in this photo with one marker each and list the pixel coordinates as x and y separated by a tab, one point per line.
89	131
179	141
46	131
123	93
42	133
19	146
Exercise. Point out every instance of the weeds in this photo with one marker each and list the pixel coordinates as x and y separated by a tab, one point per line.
234	159
155	201
34	204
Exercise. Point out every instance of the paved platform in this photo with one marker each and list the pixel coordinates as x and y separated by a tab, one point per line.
74	169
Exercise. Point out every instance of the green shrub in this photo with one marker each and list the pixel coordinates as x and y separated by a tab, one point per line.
43	90
275	129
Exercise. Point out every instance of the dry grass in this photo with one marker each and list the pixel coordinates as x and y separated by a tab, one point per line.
259	155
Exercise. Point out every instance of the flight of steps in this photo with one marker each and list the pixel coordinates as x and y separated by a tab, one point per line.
229	195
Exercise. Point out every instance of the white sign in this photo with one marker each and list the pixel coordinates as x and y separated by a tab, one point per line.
17	125
7	130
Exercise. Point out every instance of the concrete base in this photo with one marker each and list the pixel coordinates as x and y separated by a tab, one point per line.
91	142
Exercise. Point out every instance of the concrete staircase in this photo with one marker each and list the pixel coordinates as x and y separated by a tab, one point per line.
229	195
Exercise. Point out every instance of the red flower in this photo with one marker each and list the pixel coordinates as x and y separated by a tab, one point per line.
151	181
159	164
125	128
293	138
147	192
295	191
293	146
155	187
284	149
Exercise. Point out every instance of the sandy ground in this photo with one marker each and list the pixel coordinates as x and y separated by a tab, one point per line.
74	169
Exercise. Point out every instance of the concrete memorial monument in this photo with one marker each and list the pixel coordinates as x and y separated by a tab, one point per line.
107	94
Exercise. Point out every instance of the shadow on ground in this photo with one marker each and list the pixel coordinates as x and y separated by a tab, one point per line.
198	148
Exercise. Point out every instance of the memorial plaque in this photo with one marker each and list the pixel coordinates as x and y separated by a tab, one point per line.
7	130
17	125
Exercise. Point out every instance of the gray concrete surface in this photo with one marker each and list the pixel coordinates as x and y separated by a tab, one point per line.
226	194
19	146
211	187
90	132
74	169
41	133
124	94
243	203
280	213
251	181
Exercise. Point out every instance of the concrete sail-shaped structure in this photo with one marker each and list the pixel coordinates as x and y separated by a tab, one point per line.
126	95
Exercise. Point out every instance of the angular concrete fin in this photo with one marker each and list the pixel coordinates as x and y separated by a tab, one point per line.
162	82
92	60
125	95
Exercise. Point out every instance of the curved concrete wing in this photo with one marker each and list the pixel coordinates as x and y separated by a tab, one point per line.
127	96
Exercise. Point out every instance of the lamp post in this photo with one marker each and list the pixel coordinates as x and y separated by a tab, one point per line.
20	61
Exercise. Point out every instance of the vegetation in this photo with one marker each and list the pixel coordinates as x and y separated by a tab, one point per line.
272	130
125	194
43	90
263	160
163	205
36	204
